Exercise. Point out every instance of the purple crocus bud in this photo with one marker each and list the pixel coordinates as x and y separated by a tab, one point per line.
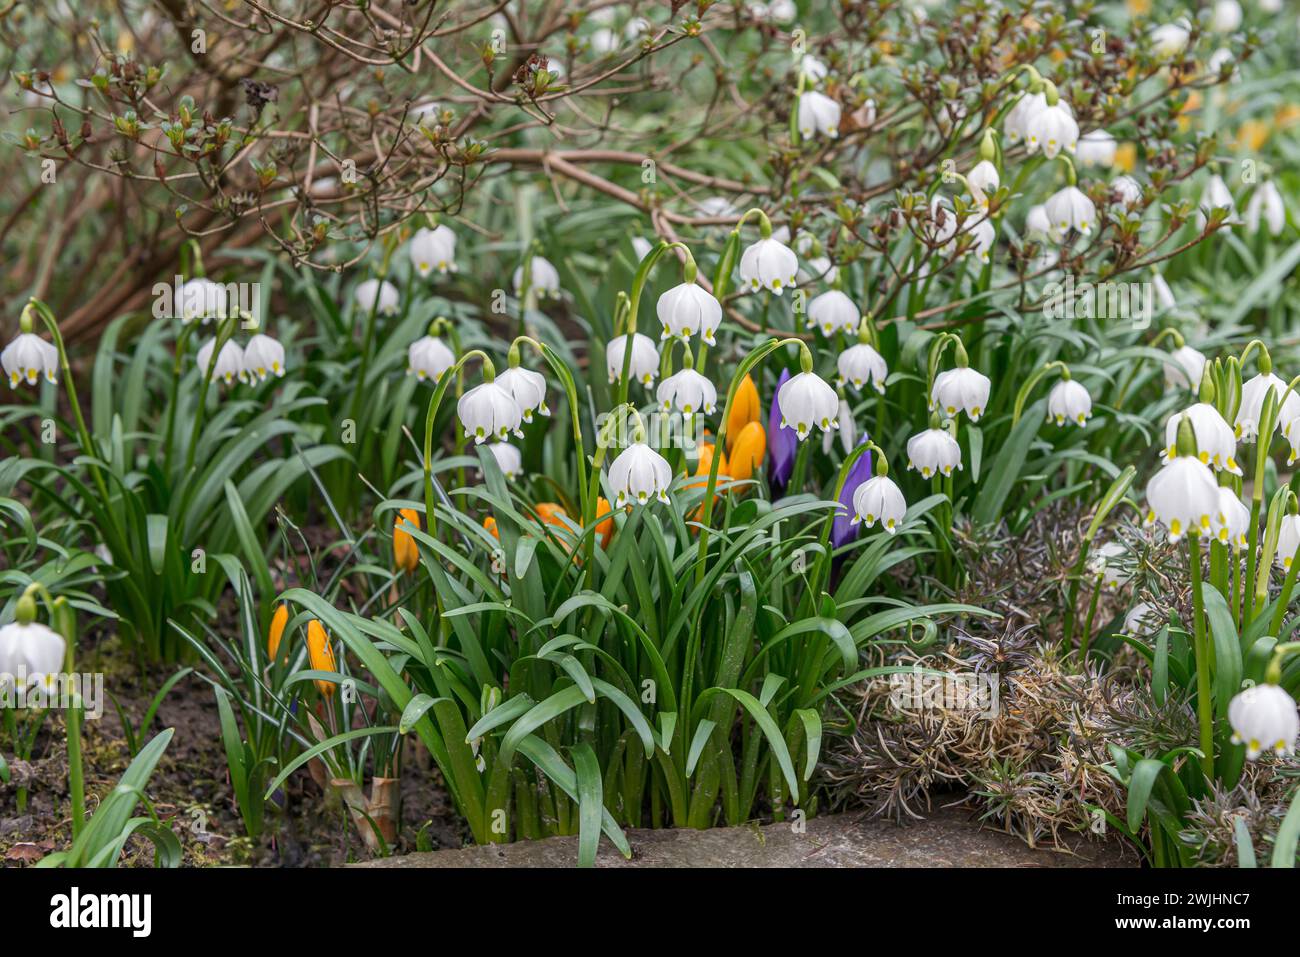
782	443
842	531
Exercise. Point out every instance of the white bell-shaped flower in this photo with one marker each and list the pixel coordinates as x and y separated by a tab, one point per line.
1037	226
377	294
527	388
860	364
644	365
1170	39
509	459
27	358
638	475
1052	129
933	452
544	278
1264	718
1070	208
985	236
1253	393
1127	189
1164	294
813	69
807	401
960	389
263	356
1221	61
1233	520
1216	196
688	391
819	115
230	361
833	312
29	654
983	179
432	249
1288	540
879	499
489	411
201	298
769	264
428	358
1183	497
687	309
1266	205
1227	16
1096	148
1068	401
1186	368
642	247
1108	562
1017	120
1216	444
1291	432
781	11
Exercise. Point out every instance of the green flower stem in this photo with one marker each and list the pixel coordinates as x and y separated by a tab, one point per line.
1204	706
366	341
1034	378
178	366
1086	636
1284	597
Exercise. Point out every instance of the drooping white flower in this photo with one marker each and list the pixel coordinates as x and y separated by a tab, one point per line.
1219	60
781	11
27	358
1216	445
527	388
641	247
604	40
1227	16
819	115
1264	718
879	499
717	207
1127	189
432	249
489	411
377	294
1266	204
1070	208
1037	225
544	278
644	364
1186	369
230	361
1052	129
960	389
201	298
806	401
639	474
1288	540
1104	562
816	269
1183	497
1142	620
833	311
1253	393
985	236
30	653
688	391
933	452
1170	39
813	69
1017	120
1164	295
1291	431
428	358
1096	148
1233	519
1216	196
509	459
1069	402
983	179
686	309
1270	6
263	356
769	264
860	364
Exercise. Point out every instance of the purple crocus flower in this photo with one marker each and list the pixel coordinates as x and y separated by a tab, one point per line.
842	530
781	443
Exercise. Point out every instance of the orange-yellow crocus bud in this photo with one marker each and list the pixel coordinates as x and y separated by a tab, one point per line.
748	451
604	522
320	654
744	410
406	554
490	523
278	621
551	513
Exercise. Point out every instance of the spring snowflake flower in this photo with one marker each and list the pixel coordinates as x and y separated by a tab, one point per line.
688	391
644	365
1266	205
1234	519
1142	620
27	358
1183	497
509	459
377	294
933	452
428	358
263	356
544	278
1096	149
879	498
1216	196
985	236
687	309
1288	540
982	180
1017	120
1227	16
1216	443
1104	563
230	361
860	364
1069	402
432	249
527	388
1070	208
1186	369
813	69
30	652
819	115
960	389
1253	393
833	311
201	298
604	40
639	474
1264	718
1037	226
488	410
1127	189
1052	129
769	264
807	401
1170	39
